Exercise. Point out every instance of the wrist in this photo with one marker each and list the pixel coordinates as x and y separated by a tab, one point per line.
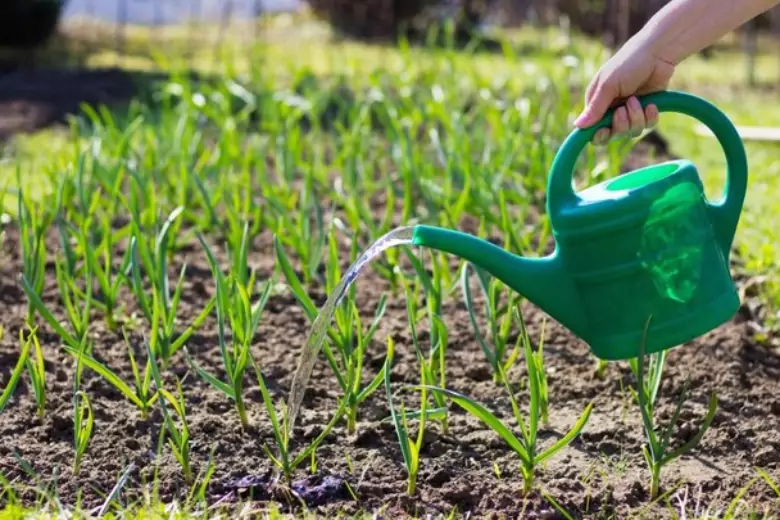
660	40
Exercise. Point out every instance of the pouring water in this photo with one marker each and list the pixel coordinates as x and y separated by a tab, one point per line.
311	348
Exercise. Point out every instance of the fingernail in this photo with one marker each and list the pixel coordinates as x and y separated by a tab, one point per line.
581	120
634	103
652	115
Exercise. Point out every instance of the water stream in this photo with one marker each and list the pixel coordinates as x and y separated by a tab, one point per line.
397	237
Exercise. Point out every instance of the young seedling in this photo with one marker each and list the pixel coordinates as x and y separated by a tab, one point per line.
499	320
352	341
646	395
348	336
178	436
17	373
36	370
526	446
432	363
77	303
409	449
537	359
98	263
161	310
32	234
141	396
294	226
78	311
233	304
284	461
90	235
83	419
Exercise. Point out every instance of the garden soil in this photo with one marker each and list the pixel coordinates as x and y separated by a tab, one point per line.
32	99
602	474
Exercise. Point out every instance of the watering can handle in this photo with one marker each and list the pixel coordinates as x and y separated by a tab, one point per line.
725	212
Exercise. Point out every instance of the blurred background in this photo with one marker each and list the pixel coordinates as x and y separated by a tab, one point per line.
26	24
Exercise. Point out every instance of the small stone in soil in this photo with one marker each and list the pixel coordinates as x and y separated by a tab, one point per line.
317	493
255	486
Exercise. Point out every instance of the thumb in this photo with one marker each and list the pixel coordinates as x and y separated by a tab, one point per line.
596	106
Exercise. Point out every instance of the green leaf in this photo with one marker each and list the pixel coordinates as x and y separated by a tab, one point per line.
15	376
533	383
770	482
292	280
106	373
400	431
431	414
566	439
279	435
675	416
712	408
38	305
213	381
487	418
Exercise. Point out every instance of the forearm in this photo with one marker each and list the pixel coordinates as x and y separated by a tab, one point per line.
684	27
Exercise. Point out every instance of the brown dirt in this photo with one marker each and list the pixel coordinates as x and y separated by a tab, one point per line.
33	98
601	474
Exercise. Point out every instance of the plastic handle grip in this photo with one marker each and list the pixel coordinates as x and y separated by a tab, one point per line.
724	213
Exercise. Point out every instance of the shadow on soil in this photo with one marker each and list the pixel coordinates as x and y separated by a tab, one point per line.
41	89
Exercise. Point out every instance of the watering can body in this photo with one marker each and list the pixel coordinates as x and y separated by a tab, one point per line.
641	261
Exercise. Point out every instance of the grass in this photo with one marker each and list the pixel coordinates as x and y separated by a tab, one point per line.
442	136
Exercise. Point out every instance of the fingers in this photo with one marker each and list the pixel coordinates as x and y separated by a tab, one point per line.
628	120
620	123
636	117
598	104
591	89
601	136
651	114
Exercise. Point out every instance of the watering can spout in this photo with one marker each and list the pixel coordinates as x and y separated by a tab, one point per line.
542	281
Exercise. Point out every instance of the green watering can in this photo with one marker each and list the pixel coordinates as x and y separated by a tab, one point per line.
644	245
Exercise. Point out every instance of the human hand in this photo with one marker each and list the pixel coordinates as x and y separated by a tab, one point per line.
633	71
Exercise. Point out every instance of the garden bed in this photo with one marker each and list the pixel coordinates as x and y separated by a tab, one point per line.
601	472
469	469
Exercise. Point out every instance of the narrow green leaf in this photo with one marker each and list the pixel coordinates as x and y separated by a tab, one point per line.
292	280
5	397
38	305
213	381
566	439
400	432
712	408
106	373
487	418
